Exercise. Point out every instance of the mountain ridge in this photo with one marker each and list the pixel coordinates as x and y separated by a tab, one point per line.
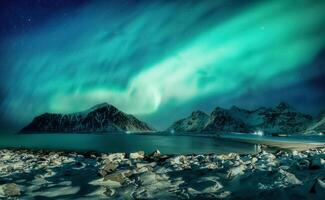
103	117
282	118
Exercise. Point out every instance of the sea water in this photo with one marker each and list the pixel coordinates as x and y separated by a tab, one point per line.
117	142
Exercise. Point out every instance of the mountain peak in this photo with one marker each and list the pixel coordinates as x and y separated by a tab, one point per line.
218	109
237	109
279	119
198	113
101	105
100	118
284	106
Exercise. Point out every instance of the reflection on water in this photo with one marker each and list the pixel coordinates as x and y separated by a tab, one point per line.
168	144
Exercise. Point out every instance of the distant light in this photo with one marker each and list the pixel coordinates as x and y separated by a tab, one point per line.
259	133
172	131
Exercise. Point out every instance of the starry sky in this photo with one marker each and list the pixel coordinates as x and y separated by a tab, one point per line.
159	60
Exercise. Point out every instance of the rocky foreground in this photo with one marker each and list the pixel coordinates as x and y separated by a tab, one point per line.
28	174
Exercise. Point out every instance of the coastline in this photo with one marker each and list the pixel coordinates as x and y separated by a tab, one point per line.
30	174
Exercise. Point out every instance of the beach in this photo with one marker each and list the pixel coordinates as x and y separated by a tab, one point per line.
27	174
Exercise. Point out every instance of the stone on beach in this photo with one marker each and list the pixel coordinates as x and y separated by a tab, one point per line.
318	187
110	167
207	186
155	154
317	163
148	178
143	164
109	192
290	178
209	176
117	177
11	189
137	155
232	172
303	164
114	157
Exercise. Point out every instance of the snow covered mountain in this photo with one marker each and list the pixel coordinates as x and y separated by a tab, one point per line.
318	125
223	120
100	118
281	119
194	123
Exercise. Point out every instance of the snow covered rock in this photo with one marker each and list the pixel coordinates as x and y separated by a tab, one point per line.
290	178
137	155
303	164
116	177
234	171
317	163
11	189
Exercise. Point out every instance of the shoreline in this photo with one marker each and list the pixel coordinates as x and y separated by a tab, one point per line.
283	143
29	174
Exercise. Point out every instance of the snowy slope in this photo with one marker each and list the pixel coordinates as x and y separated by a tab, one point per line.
100	118
195	122
280	119
318	125
223	120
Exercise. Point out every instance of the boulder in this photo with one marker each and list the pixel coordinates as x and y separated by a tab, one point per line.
11	189
141	194
148	178
114	157
254	160
317	163
117	177
223	195
110	167
156	153
178	160
234	171
137	155
206	186
127	173
109	192
318	187
140	165
303	164
102	172
290	178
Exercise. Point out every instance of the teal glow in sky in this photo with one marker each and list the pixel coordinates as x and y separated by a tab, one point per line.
161	60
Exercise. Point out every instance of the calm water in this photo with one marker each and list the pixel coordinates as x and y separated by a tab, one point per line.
291	138
168	144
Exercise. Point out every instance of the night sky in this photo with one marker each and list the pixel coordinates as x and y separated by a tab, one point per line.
159	60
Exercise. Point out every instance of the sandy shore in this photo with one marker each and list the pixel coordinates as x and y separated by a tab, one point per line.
28	174
285	143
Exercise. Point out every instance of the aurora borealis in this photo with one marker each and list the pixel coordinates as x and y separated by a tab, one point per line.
160	60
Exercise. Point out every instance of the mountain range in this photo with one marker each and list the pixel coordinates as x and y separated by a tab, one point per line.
281	119
106	118
100	118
